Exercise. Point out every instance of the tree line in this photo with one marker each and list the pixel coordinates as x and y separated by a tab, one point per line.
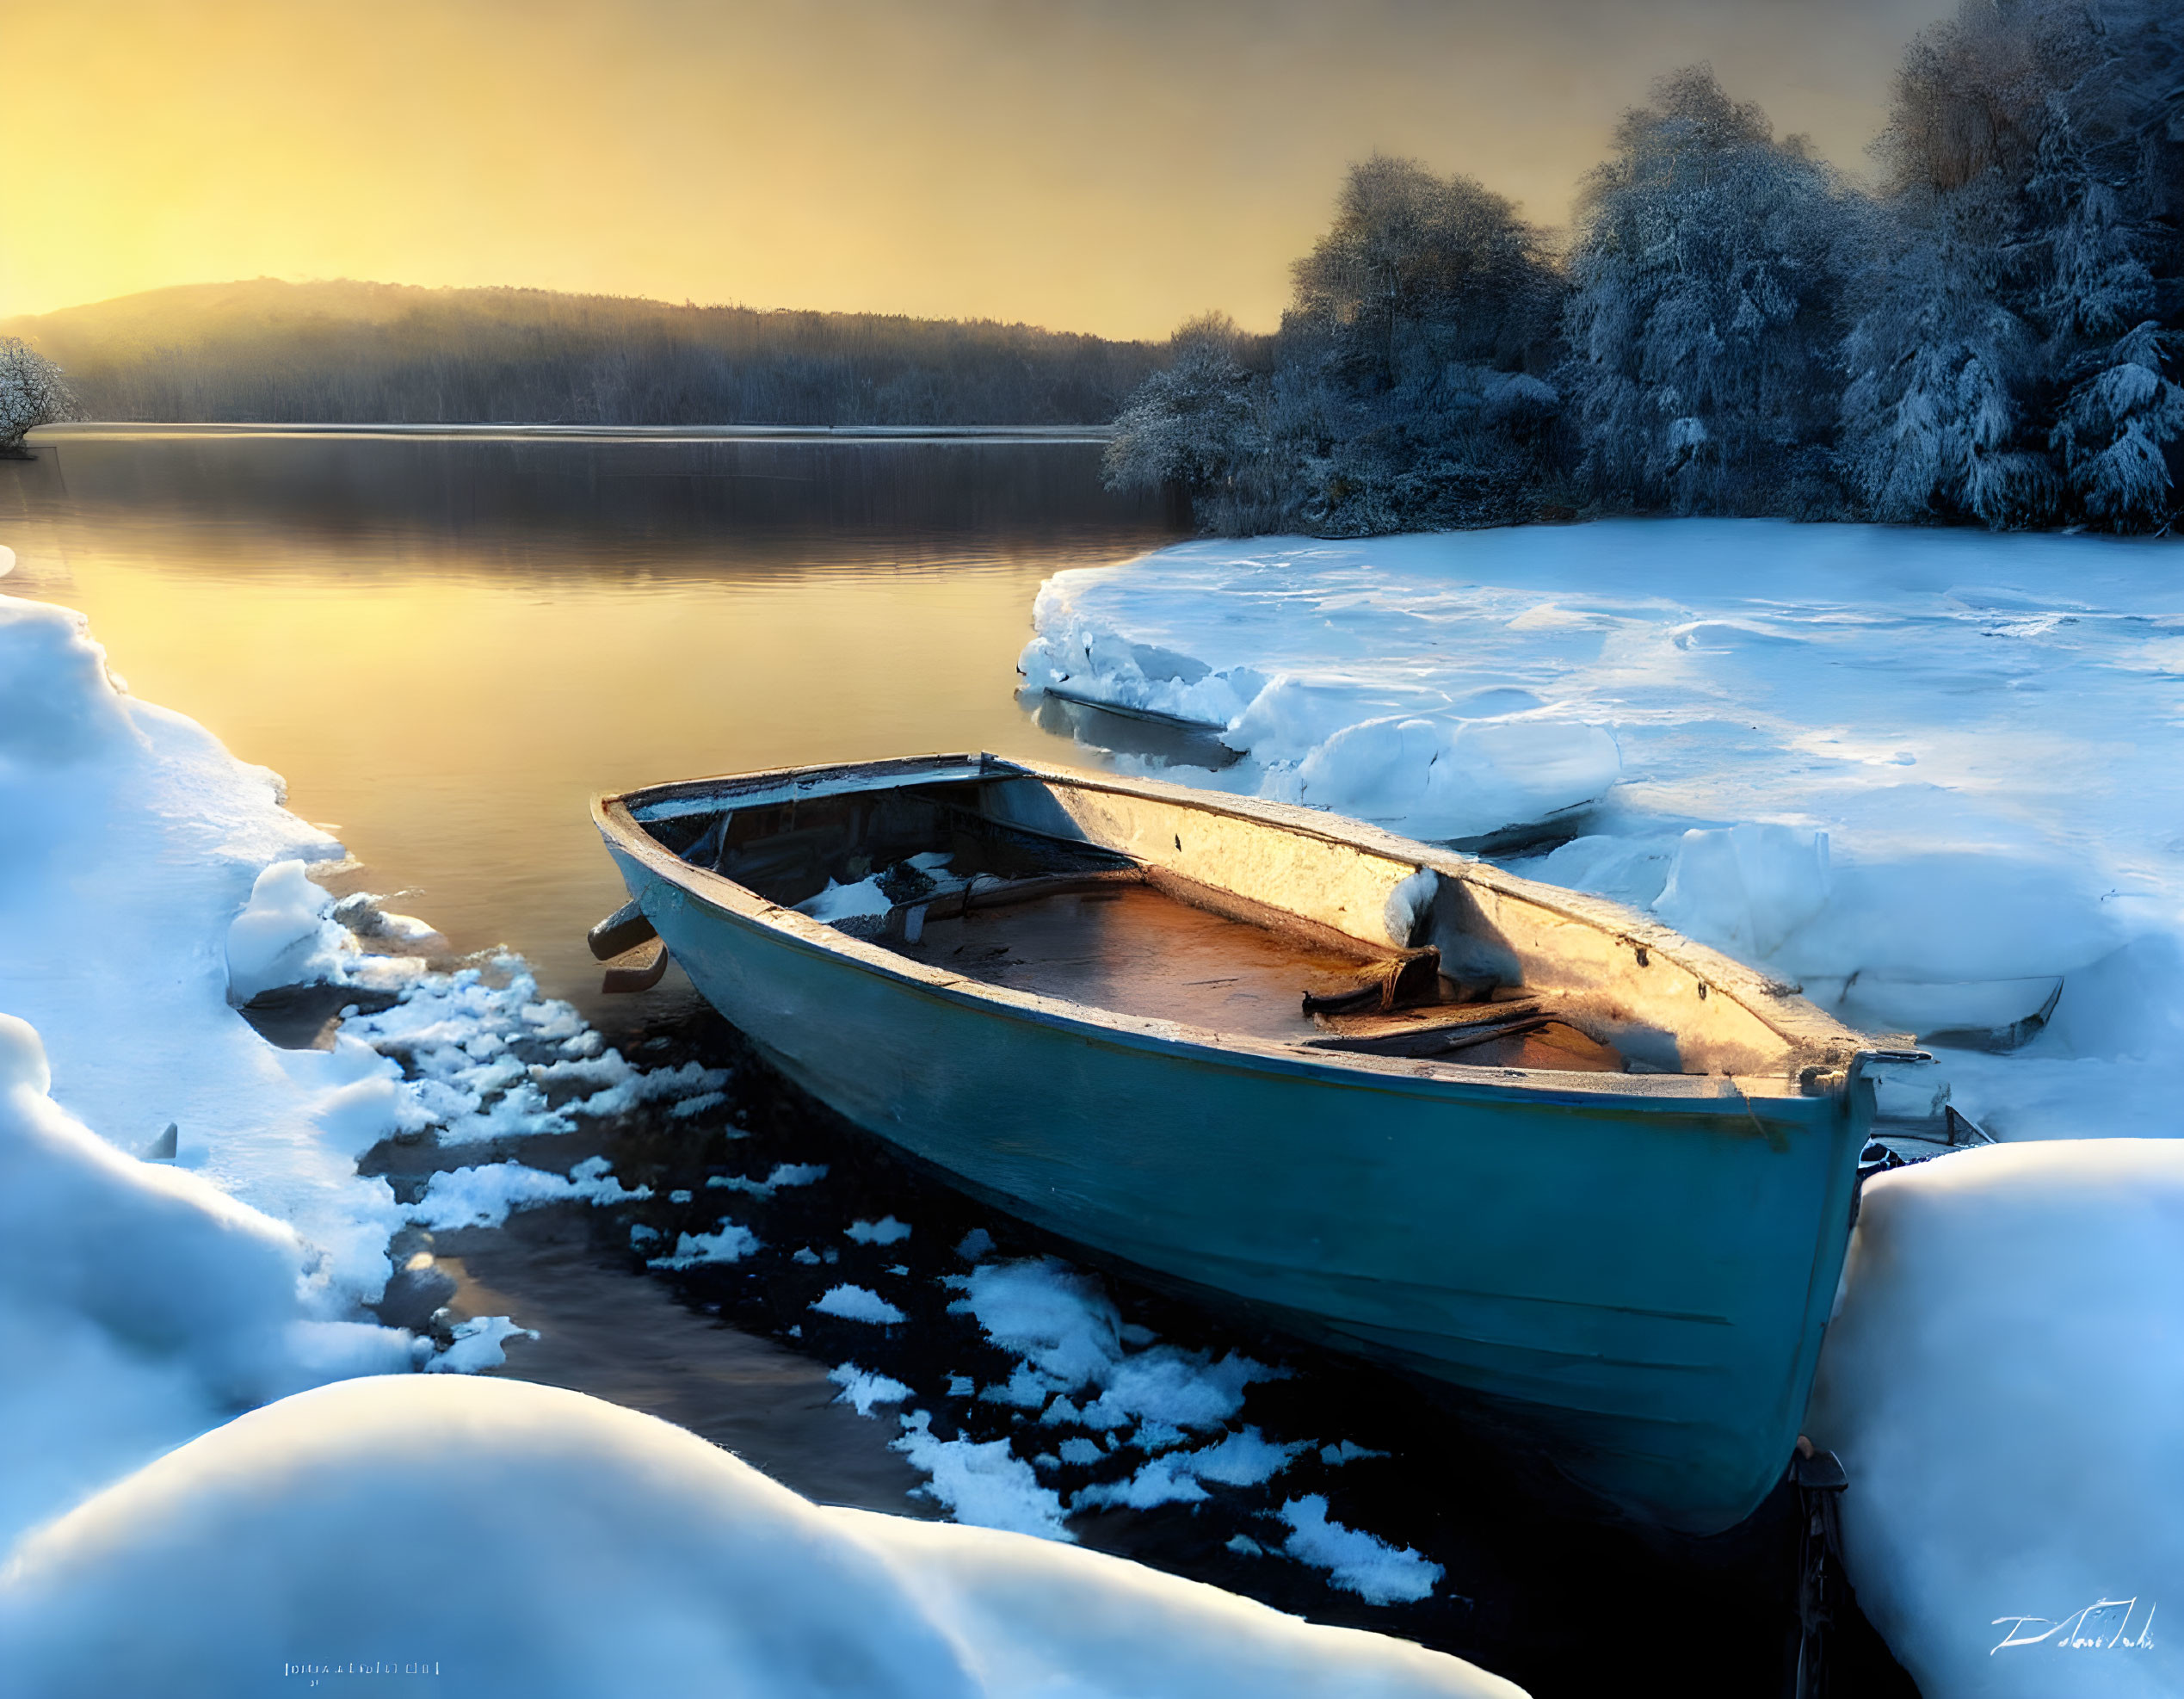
1990	334
363	353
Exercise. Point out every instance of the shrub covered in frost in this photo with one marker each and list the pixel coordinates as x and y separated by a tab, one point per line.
32	393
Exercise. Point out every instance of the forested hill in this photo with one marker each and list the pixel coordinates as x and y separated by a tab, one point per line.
369	352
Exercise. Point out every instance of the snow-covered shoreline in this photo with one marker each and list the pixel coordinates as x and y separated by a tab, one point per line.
185	1235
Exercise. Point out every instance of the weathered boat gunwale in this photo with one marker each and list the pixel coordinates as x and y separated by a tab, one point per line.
1819	1043
1604	1095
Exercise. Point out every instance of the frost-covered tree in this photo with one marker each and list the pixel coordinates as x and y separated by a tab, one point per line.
1702	323
32	393
2098	301
1409	387
2013	350
1404	389
1191	425
1932	424
1418	271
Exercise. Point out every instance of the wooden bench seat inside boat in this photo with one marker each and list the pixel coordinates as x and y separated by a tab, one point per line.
1008	906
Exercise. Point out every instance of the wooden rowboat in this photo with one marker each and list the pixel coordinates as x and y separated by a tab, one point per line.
1525	1143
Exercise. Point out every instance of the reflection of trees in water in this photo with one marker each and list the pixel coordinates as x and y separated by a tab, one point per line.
593	503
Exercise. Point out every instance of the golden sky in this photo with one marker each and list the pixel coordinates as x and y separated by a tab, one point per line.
1111	165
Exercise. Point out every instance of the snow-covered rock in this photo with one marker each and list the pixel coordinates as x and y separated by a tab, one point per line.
297	1535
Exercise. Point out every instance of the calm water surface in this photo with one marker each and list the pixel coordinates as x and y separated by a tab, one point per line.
447	646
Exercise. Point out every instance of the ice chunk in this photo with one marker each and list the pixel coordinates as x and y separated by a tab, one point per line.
729	1242
857	1303
1357	1562
284	937
975	1245
784	1174
864	1388
982	1482
478	1345
885	1231
1062	1323
483	1196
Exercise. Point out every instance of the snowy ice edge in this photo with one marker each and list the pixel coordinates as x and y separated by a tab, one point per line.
259	1244
1845	754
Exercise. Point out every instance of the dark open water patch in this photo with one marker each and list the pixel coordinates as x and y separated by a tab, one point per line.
1535	1585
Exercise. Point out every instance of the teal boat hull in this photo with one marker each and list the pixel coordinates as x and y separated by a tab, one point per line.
1638	1270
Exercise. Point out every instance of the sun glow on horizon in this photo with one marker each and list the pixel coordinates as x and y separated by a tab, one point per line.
1108	167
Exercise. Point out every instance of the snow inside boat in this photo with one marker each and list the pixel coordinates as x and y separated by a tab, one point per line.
1526	1143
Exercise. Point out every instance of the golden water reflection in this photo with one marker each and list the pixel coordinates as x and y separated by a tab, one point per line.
445	692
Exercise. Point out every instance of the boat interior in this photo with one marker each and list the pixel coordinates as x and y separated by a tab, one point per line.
1158	907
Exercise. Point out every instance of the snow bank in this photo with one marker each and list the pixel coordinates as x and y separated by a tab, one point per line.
290	1538
147	880
2003	1385
138	1305
129	842
1926	775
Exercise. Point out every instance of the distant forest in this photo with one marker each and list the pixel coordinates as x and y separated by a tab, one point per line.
374	353
1991	334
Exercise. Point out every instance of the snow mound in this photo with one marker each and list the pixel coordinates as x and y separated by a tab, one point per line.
2002	1384
285	935
290	1536
138	1305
